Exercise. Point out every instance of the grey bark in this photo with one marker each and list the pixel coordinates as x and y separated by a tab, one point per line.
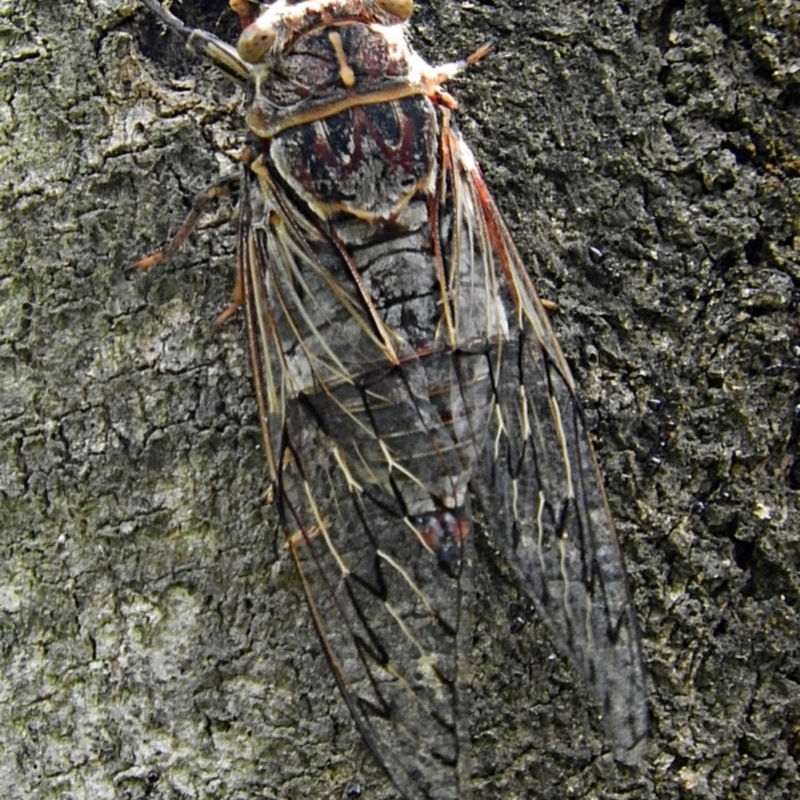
154	639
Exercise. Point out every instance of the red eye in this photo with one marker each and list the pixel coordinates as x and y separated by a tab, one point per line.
244	11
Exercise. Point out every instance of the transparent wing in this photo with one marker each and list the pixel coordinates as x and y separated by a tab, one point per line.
540	487
370	461
393	619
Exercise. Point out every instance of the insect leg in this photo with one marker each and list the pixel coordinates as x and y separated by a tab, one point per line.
218	189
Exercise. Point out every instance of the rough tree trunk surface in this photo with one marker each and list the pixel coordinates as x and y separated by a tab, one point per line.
154	638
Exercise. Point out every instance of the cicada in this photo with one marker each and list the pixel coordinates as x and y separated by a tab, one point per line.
404	369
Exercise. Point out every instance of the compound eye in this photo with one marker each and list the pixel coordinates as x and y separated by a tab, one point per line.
255	41
402	9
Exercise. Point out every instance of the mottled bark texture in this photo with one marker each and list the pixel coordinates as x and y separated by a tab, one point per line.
154	640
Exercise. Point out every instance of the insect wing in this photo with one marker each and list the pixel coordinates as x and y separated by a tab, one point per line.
392	614
541	491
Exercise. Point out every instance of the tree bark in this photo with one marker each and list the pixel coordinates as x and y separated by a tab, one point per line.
155	642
